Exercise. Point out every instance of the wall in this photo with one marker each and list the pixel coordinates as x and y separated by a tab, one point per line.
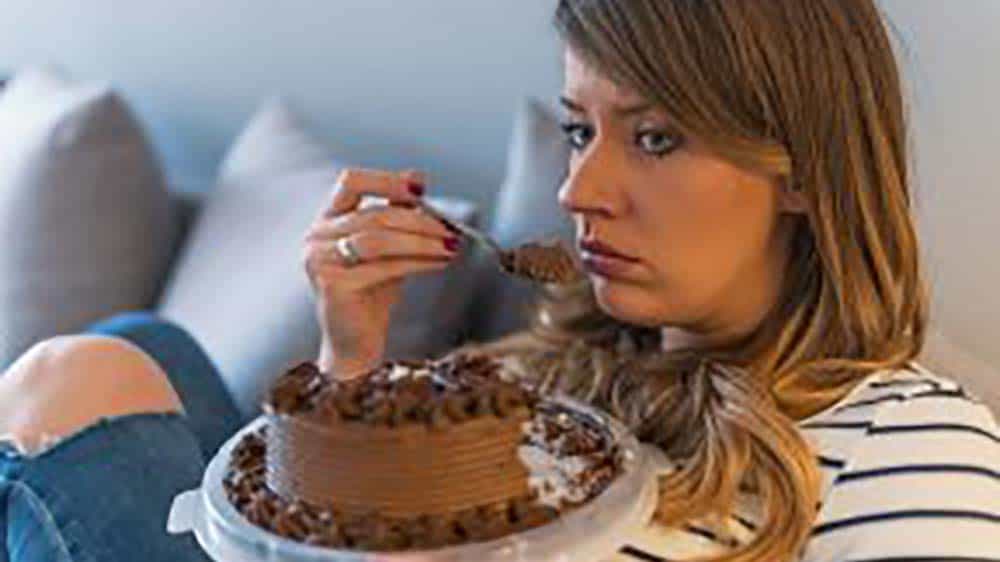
394	83
950	58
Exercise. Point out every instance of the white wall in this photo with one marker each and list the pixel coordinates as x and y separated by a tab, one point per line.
951	61
432	83
428	83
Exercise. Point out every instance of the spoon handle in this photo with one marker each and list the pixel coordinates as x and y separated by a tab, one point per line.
465	229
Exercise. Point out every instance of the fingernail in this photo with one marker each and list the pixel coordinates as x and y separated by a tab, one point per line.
451	244
415	188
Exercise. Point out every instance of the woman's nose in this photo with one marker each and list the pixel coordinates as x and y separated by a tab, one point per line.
592	187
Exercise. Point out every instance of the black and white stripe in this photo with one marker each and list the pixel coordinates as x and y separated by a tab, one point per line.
941	515
911	466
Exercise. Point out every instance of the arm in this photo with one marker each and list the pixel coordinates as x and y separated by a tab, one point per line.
343	368
924	484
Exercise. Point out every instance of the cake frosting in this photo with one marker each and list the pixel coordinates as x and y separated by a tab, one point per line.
415	455
542	262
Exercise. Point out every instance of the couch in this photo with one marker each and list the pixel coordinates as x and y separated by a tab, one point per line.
93	228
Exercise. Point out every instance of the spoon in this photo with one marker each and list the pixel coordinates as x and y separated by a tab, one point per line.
544	263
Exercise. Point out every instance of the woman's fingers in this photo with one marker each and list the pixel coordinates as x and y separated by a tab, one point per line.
328	271
354	183
387	218
380	244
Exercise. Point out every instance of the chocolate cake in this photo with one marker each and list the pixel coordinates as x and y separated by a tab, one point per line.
543	262
416	455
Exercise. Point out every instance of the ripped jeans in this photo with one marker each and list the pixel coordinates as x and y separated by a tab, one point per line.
103	494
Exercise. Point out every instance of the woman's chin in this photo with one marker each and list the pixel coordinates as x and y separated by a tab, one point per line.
626	302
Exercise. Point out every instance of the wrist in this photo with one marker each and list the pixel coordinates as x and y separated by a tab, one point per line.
345	368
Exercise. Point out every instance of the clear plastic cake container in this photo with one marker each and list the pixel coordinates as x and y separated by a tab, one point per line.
594	531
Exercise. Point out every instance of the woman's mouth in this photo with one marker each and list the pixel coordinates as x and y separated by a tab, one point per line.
602	259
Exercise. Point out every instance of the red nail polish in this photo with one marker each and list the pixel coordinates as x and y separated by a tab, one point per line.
451	244
415	188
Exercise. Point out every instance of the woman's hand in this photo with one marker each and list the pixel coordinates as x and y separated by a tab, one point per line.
393	241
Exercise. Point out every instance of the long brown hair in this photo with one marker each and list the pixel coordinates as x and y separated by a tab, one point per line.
808	90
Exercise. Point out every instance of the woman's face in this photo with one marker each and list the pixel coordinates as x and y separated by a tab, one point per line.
703	240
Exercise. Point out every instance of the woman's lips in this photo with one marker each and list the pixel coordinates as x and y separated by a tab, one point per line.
605	265
595	246
604	260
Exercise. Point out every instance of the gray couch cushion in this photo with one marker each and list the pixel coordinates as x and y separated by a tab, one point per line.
527	209
84	214
527	204
239	285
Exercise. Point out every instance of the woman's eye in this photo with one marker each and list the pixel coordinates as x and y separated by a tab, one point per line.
576	134
656	143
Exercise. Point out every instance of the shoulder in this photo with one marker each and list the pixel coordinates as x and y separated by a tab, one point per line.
913	400
931	403
905	402
920	470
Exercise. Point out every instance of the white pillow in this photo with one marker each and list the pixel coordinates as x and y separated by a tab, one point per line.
84	215
240	286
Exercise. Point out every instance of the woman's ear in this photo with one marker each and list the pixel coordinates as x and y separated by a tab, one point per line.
791	197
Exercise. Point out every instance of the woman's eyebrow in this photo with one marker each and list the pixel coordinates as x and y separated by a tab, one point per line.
621	111
570	104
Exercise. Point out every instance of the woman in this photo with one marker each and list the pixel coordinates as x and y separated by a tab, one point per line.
753	306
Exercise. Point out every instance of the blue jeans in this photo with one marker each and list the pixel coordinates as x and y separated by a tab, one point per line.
102	495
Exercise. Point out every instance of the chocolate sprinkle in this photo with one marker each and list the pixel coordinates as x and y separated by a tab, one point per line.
453	389
545	263
370	531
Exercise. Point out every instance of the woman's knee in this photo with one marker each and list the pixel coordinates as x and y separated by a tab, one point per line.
66	383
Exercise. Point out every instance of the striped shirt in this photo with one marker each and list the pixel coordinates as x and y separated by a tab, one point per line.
911	472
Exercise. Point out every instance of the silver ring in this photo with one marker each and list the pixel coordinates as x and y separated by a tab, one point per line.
348	253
